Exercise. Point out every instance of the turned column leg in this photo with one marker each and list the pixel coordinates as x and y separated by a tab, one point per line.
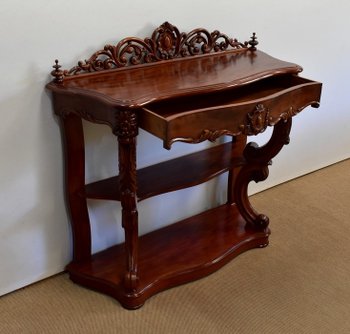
75	182
126	131
256	168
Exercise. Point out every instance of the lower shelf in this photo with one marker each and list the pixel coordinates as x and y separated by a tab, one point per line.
173	255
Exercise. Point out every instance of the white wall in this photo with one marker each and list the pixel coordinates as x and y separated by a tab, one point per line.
35	240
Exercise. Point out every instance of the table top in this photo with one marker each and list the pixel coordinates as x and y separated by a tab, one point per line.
136	86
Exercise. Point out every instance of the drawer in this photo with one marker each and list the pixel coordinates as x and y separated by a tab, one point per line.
247	109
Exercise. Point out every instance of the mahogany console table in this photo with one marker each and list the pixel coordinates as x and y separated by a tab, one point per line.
187	87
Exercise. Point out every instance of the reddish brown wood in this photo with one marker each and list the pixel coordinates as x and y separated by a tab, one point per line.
256	168
125	88
233	111
126	132
175	174
237	92
166	43
187	250
75	182
238	145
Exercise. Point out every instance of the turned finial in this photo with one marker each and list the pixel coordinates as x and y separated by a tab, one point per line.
253	42
57	73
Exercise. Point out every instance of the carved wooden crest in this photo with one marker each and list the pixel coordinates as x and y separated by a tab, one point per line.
166	43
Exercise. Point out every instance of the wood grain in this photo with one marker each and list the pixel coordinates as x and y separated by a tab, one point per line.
174	174
187	250
180	87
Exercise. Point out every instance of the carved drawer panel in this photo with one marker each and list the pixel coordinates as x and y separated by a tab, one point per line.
248	110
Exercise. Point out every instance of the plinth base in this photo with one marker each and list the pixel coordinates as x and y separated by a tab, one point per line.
176	254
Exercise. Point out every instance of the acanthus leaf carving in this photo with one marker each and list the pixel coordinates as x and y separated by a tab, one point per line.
212	135
289	113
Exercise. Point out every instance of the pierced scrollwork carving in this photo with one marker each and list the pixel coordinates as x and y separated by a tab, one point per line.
257	121
166	43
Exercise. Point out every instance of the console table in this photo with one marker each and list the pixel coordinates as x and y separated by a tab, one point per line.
187	87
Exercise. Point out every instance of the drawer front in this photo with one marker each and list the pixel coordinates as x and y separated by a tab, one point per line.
248	118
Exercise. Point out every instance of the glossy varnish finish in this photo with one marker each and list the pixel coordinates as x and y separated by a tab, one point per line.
212	238
125	87
180	87
175	174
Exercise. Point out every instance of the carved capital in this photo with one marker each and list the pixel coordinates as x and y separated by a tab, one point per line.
126	124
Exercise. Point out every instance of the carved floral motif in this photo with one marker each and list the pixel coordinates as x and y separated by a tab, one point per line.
257	120
126	126
166	43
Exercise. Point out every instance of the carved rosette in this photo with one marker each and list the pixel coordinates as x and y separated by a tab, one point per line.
257	121
126	124
126	129
166	43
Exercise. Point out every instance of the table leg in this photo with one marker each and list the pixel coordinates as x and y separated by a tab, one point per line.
256	168
238	145
75	183
126	132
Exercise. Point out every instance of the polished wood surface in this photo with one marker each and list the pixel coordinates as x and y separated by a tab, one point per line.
212	238
225	112
126	87
175	174
187	87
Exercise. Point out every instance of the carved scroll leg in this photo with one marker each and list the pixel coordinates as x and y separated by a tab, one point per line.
237	148
127	131
256	168
127	174
75	183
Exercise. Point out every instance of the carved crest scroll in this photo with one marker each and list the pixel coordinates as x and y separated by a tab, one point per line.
165	43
